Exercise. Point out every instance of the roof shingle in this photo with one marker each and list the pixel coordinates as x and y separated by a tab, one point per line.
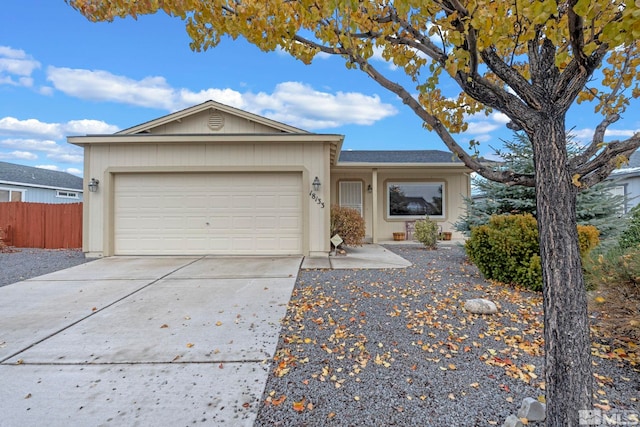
409	156
40	177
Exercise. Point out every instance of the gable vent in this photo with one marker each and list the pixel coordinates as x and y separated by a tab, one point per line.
216	121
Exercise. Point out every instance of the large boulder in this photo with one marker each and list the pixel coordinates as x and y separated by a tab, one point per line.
480	306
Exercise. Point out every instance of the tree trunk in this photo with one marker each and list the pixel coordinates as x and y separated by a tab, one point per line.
568	372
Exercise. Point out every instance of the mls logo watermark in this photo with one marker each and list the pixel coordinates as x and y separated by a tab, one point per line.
596	417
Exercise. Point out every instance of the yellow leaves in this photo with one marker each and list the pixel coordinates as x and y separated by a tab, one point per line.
189	345
575	180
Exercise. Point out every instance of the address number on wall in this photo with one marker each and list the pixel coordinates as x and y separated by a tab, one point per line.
317	199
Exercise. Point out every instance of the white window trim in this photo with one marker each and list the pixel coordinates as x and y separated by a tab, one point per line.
14	190
390	217
74	194
342	191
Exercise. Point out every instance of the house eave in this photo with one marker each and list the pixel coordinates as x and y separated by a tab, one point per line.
203	138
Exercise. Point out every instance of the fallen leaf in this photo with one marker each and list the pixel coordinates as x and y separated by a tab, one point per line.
94	309
246	405
164	326
28	396
189	345
218	323
603	407
299	406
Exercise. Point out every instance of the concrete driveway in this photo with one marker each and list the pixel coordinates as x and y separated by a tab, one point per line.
142	341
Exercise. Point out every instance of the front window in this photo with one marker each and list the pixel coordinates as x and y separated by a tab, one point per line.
351	195
415	199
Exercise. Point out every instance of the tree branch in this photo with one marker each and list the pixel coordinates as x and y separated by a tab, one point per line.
596	142
602	165
506	177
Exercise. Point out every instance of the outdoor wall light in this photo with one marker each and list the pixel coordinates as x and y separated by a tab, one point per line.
369	189
93	185
316	184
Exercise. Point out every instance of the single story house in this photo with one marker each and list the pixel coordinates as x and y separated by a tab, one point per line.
212	179
19	183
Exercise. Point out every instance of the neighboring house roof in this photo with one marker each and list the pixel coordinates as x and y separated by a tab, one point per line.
410	156
36	177
631	169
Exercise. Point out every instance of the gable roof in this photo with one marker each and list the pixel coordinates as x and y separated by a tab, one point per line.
11	173
409	156
209	105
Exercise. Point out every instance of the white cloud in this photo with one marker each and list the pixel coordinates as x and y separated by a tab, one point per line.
87	127
225	96
98	85
22	155
585	135
48	167
34	127
66	157
16	67
294	103
301	105
45	145
475	128
500	117
13	126
73	171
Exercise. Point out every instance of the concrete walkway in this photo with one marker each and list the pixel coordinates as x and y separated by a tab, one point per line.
365	256
130	341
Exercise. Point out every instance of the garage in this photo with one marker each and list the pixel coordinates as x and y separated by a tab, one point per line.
257	213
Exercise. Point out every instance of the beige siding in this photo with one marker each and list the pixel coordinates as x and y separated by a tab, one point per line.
106	161
198	124
456	181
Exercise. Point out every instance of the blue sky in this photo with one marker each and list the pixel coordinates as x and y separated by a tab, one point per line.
61	75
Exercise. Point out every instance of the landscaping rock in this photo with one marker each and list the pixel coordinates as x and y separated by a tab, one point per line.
512	421
480	306
532	410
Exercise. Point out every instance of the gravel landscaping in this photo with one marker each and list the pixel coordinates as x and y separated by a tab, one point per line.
18	264
396	348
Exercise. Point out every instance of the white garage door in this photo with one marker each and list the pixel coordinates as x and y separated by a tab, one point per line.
208	213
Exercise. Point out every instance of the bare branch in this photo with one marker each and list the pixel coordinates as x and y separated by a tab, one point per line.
576	34
504	176
596	143
602	165
511	77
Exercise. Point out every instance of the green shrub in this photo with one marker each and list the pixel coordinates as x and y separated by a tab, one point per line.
349	224
616	276
506	249
631	236
426	232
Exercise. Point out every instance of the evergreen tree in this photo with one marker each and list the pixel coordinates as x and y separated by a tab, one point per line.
595	205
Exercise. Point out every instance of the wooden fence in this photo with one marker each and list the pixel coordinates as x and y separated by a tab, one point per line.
41	225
